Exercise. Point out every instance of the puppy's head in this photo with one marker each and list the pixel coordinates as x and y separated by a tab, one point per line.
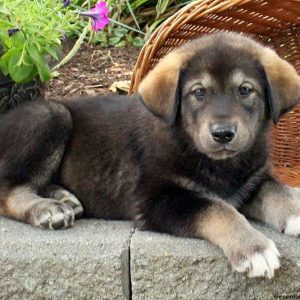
222	89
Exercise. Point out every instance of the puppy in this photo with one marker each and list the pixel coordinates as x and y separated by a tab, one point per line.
186	155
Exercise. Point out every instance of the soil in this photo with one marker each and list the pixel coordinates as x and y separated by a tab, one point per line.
92	71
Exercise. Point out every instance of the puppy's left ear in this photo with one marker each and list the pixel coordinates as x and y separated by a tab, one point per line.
160	88
282	83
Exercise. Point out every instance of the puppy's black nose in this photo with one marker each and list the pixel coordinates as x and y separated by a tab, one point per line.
223	133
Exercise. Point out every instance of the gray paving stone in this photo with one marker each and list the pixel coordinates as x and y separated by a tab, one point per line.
84	262
92	261
166	267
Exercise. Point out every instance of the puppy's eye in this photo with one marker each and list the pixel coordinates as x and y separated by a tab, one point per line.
199	93
245	90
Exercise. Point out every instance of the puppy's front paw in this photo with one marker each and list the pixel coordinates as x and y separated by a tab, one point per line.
258	258
292	226
50	214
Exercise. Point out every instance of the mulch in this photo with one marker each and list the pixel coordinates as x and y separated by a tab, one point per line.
92	71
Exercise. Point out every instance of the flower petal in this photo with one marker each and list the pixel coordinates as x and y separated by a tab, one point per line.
100	23
99	15
103	7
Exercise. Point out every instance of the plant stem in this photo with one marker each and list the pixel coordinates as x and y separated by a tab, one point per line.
127	27
133	15
75	48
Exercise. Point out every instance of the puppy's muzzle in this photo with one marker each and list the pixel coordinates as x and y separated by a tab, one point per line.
223	133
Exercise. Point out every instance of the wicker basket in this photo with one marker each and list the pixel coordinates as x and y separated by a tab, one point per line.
275	23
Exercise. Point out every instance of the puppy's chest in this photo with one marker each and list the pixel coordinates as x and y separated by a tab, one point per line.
232	186
221	183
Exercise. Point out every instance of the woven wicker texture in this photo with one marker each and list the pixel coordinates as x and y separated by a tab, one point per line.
275	23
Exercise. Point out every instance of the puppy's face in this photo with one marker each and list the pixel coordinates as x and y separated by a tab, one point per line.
222	89
223	101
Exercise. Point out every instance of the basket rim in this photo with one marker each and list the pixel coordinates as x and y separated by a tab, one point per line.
179	19
199	8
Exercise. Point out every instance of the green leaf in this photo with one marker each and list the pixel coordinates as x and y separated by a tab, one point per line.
161	7
17	39
32	75
6	41
38	46
4	11
5	24
156	23
19	73
40	62
101	38
51	52
4	61
114	40
120	32
121	44
138	3
129	39
138	42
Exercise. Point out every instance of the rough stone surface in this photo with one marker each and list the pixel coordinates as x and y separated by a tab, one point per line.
83	262
165	267
103	260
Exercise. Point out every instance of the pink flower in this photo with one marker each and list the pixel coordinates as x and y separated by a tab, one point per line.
99	15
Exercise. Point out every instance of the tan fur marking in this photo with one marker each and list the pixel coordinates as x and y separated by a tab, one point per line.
205	80
186	183
238	78
247	249
19	201
222	225
23	204
274	205
159	86
282	76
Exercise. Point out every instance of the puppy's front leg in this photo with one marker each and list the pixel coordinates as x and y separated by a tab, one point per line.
277	205
186	213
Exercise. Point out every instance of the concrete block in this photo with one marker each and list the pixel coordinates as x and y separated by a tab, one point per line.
106	260
166	267
88	261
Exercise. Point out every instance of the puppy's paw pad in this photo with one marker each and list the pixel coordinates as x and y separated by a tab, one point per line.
68	198
260	264
51	214
292	226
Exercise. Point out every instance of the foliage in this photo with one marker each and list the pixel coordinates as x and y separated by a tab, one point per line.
30	33
141	18
144	14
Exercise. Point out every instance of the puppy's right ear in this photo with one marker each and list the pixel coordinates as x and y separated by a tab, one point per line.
159	89
282	83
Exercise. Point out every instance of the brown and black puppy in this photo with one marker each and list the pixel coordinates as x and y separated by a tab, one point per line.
182	156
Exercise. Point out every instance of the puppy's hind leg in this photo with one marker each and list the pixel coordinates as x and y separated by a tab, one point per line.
22	203
277	205
33	140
